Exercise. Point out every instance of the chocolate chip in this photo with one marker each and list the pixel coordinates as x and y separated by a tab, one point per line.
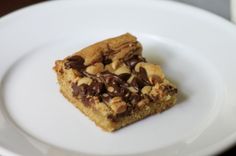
70	64
117	83
83	89
125	85
76	58
137	83
134	83
123	92
126	96
125	76
110	78
96	88
75	89
134	60
143	75
75	62
118	90
106	60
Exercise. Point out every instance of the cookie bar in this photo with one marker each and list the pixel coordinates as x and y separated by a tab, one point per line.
113	84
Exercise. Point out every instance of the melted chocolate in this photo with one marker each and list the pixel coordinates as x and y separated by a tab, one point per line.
137	83
83	90
75	89
106	60
76	62
124	76
106	79
143	75
110	79
134	60
96	88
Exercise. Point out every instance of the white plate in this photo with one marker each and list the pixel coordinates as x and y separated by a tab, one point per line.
195	48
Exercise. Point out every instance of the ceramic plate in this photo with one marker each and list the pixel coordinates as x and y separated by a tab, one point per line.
196	49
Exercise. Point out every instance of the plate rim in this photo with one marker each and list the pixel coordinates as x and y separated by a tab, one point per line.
212	149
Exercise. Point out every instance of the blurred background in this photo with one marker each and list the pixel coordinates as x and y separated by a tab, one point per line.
219	7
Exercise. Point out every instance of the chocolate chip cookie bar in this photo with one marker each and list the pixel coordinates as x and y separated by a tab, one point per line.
113	84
